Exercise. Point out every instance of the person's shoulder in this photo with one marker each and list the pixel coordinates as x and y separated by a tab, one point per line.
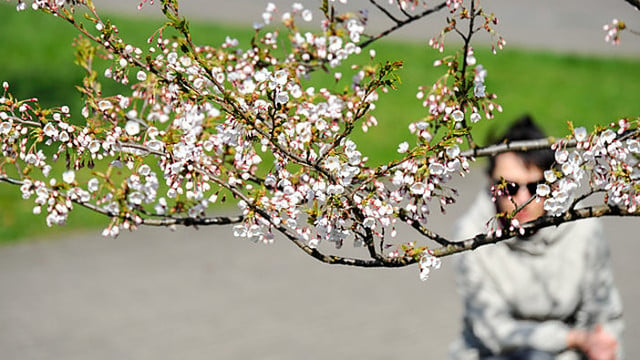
586	234
586	228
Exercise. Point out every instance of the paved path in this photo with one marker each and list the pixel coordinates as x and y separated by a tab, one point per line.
204	295
567	25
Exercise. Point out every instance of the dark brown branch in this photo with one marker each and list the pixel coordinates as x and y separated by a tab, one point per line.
379	261
463	73
367	237
583	197
532	227
402	24
524	145
530	145
190	221
634	3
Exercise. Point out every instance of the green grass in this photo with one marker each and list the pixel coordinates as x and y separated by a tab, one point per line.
37	60
554	88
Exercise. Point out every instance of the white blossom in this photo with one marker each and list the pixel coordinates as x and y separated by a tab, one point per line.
580	134
479	89
332	163
436	169
104	105
5	127
335	189
307	15
369	222
457	115
453	151
50	130
69	176
543	190
141	75
132	127
608	136
93	185
418	188
550	176
561	156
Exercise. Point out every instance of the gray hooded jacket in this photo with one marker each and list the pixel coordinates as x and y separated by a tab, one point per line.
528	293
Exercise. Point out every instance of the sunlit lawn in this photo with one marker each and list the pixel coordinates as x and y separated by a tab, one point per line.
37	60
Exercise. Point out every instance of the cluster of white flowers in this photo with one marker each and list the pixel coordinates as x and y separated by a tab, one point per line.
331	48
378	212
427	262
45	4
439	104
613	31
57	207
606	161
418	182
296	9
478	81
333	230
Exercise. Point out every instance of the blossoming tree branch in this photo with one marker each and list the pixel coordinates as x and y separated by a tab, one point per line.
242	122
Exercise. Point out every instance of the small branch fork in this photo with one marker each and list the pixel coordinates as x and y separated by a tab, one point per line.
399	23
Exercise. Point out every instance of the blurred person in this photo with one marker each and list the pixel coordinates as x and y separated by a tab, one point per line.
547	296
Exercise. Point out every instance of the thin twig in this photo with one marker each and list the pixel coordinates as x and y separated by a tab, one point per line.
386	12
402	10
404	216
523	145
402	24
463	72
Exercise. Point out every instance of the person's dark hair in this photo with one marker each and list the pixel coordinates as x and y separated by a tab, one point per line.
525	129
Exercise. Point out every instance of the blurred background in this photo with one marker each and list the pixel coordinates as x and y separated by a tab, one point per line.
155	294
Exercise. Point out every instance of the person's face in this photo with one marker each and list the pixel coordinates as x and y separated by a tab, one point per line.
513	169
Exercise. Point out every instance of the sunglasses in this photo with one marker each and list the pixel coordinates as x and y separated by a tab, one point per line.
512	188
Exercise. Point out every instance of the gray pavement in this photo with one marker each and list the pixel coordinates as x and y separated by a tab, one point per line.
205	295
156	294
573	26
